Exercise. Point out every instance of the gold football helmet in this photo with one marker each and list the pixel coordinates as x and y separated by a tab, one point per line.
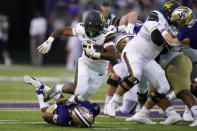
82	117
182	16
122	40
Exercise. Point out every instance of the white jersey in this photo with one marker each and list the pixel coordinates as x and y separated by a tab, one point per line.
105	38
143	43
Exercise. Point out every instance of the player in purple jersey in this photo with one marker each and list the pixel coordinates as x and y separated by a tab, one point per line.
63	113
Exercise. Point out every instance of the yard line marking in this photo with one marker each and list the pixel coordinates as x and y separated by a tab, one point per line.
115	123
19	122
18	110
8	120
44	78
113	128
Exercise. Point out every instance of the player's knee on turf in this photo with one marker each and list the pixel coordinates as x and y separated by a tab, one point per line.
128	82
156	96
114	80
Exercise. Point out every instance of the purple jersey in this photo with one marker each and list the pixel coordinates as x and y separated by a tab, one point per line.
190	33
137	28
64	118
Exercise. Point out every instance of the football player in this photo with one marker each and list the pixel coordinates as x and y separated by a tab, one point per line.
139	52
98	50
185	22
64	113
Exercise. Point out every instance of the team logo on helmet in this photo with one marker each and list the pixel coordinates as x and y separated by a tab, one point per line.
182	16
102	18
168	4
82	117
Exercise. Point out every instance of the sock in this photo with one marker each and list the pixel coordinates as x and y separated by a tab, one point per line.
57	97
44	88
58	88
40	99
108	98
171	96
187	109
146	110
116	97
194	111
170	110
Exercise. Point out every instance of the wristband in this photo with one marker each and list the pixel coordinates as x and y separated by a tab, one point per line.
50	39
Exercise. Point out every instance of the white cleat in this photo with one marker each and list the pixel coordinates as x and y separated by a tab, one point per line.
130	118
194	123
187	116
172	119
111	108
31	80
142	117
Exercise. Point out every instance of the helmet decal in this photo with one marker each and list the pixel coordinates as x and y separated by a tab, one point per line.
168	4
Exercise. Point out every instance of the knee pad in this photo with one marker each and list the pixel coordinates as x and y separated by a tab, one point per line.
155	96
112	82
126	84
142	97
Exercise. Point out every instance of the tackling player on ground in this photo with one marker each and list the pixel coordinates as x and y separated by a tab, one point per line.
64	113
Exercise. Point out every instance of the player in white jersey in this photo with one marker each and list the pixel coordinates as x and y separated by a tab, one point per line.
98	50
136	55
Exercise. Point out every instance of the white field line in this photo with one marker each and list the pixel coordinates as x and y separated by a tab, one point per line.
45	79
113	128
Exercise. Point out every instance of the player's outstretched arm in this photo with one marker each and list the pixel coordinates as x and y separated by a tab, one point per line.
46	46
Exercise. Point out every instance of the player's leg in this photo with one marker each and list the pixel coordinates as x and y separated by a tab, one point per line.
156	76
129	101
178	73
133	63
82	76
118	72
39	85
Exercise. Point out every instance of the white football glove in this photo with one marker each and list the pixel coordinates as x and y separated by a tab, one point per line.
90	51
113	28
129	29
46	46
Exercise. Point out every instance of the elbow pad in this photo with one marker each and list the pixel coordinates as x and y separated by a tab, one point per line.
157	38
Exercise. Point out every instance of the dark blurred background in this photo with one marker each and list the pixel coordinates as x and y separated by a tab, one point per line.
59	13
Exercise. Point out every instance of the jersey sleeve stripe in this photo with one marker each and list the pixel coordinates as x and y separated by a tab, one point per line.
130	70
109	38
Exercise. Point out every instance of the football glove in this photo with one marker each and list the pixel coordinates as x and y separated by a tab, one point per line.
46	46
91	52
129	29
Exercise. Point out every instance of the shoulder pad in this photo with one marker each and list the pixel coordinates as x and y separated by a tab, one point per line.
109	37
115	21
153	16
80	28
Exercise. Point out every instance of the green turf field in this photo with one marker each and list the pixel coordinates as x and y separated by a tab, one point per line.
27	119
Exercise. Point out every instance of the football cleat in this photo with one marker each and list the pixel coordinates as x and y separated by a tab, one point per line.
51	93
141	117
187	116
194	123
111	108
130	118
172	119
31	80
